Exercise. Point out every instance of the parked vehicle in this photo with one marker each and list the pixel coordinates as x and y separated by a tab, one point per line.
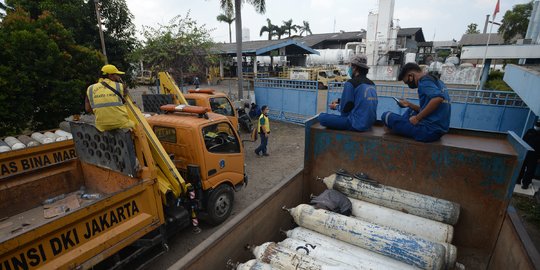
117	193
477	170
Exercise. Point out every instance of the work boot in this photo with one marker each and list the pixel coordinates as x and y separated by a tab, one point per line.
525	186
256	153
266	154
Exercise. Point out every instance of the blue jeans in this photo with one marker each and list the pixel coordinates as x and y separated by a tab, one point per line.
401	125
262	147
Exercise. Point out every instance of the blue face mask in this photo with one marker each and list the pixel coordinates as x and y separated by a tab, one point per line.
349	72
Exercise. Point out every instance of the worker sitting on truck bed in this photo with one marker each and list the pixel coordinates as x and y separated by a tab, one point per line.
429	121
358	103
106	100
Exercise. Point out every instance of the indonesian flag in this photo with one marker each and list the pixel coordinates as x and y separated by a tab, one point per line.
496	9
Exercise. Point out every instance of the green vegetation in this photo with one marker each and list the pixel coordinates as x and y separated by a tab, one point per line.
495	81
530	207
472	29
51	53
43	72
182	47
516	21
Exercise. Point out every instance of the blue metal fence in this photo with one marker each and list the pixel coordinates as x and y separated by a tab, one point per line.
471	109
289	100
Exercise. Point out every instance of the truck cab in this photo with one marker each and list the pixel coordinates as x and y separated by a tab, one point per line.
341	76
212	144
216	102
324	77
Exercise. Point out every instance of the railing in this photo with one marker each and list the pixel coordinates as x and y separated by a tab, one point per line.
471	109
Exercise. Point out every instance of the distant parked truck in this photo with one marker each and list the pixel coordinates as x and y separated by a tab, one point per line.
321	75
145	77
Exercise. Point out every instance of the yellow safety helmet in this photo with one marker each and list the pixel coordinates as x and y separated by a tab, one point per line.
111	69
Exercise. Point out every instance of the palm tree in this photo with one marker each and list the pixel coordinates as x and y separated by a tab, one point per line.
290	27
280	31
260	7
305	29
270	28
227	18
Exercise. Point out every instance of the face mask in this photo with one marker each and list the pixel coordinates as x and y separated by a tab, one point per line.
412	83
349	72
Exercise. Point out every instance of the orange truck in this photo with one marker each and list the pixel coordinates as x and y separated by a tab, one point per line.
215	102
73	204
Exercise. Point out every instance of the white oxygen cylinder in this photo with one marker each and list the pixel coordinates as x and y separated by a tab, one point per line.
41	138
254	265
423	227
395	198
29	142
286	259
330	255
54	137
401	246
355	253
14	143
4	147
62	133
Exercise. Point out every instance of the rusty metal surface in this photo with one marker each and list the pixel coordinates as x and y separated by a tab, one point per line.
106	181
474	171
257	224
26	191
514	249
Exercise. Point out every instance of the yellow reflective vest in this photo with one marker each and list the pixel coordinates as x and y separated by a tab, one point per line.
108	108
266	123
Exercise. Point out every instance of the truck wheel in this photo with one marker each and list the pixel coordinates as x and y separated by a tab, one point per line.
220	204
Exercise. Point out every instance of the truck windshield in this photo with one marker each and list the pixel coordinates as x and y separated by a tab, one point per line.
220	138
222	106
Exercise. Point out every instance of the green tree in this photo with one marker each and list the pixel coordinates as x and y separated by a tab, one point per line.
270	28
516	21
304	28
289	26
79	18
180	47
472	29
229	19
280	31
260	7
43	72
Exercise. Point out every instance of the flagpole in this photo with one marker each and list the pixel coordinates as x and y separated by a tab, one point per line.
487	44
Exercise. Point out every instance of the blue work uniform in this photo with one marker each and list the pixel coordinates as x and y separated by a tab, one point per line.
358	107
431	127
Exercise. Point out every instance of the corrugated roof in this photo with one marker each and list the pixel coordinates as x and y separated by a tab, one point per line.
445	43
315	39
481	39
408	31
262	47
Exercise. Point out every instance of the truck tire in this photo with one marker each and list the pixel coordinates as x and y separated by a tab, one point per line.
220	204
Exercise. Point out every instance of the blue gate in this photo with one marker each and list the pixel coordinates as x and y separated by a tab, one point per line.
471	109
289	100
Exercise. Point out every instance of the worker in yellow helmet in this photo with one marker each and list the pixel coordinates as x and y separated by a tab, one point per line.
106	99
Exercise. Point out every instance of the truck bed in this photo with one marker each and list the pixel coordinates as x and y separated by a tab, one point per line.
14	226
475	169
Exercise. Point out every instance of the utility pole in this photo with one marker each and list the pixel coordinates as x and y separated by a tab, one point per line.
96	4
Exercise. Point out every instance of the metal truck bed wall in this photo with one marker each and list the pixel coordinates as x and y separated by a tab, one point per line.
477	170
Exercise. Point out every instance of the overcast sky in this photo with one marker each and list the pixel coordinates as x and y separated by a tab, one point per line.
439	19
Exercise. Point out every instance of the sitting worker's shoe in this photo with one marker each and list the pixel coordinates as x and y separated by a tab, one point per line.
525	186
266	154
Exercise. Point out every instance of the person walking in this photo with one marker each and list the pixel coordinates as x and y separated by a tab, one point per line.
106	100
263	127
358	103
428	121
532	138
